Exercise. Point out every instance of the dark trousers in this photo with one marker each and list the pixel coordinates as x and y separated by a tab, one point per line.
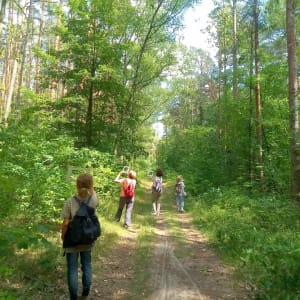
129	206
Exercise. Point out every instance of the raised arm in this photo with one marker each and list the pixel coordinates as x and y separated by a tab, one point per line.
117	179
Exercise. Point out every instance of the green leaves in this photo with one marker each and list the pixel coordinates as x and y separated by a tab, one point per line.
260	233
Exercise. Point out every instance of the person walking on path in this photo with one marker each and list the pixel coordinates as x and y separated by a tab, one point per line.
126	196
157	187
180	194
87	194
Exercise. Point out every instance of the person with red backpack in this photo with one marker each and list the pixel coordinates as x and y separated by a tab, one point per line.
126	196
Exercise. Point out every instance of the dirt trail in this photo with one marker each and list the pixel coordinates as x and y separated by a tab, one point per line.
198	274
112	281
195	273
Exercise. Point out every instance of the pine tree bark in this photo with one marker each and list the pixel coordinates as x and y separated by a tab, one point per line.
234	52
293	99
251	172
37	67
258	96
23	52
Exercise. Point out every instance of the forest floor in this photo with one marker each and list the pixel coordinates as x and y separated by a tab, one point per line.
187	270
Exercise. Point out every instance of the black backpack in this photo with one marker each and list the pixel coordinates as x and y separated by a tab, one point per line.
84	228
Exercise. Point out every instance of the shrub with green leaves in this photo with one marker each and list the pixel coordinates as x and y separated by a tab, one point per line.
259	233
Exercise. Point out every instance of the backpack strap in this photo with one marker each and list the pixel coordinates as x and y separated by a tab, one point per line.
77	199
88	200
80	202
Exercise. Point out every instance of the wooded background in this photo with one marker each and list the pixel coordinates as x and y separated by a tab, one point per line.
83	81
102	71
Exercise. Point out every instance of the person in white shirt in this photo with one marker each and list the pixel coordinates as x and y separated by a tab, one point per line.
157	188
125	199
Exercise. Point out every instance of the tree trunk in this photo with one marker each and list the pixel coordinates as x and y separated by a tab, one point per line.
234	52
10	90
251	110
7	67
258	96
54	84
89	116
2	14
134	86
37	67
23	52
293	98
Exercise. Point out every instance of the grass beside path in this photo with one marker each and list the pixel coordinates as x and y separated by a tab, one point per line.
37	272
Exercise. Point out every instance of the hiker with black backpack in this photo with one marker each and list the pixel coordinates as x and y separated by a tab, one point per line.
157	187
126	196
80	228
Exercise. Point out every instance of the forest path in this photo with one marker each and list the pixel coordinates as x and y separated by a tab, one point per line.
185	268
189	270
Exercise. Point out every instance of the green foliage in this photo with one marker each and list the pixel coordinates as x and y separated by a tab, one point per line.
112	58
109	58
6	295
35	157
207	158
194	154
259	233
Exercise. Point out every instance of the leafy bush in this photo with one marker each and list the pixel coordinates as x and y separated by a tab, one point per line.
259	233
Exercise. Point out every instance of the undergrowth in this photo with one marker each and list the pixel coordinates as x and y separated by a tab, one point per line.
259	233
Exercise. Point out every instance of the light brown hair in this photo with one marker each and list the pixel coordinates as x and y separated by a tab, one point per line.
179	178
132	174
84	185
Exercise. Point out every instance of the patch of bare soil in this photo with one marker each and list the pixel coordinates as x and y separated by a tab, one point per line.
111	280
196	273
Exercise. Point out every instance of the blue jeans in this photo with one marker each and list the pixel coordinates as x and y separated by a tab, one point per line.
86	268
179	202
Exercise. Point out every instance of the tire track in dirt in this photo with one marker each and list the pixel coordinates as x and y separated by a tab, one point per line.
197	275
170	279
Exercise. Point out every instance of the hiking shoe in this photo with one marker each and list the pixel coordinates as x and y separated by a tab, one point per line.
126	226
85	292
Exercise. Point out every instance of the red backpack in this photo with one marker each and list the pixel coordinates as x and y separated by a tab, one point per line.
129	189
